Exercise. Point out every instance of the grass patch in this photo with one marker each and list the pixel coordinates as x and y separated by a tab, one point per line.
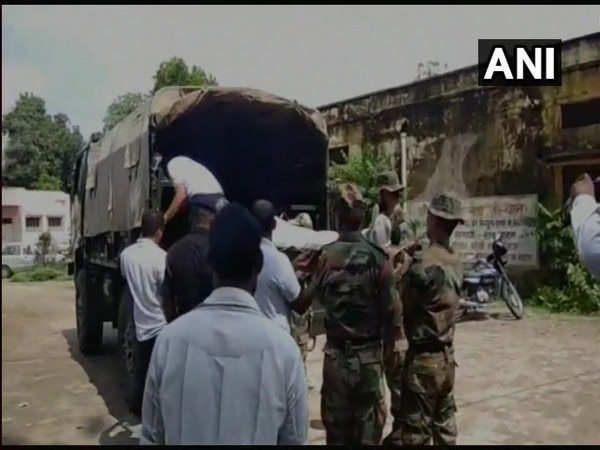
542	311
38	274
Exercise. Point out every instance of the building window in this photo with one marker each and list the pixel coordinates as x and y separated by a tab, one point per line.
55	222
339	155
32	222
7	221
571	172
580	114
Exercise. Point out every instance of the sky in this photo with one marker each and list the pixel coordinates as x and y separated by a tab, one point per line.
79	58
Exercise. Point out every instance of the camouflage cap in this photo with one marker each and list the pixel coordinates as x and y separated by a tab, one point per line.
389	181
447	206
350	195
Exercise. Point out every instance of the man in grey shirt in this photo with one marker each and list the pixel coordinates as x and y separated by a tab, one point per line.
277	287
223	374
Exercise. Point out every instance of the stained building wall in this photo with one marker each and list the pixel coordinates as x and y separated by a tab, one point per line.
480	141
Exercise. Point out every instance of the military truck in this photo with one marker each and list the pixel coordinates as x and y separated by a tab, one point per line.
257	144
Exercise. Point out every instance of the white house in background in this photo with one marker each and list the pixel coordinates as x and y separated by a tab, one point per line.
26	214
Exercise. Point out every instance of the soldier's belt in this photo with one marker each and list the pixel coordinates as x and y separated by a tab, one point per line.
354	344
429	347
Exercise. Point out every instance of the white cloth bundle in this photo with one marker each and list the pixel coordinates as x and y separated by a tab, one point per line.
287	236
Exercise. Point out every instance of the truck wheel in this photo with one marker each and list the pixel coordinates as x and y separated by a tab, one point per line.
89	319
126	329
6	272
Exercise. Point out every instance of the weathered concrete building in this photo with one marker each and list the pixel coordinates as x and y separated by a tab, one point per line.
482	141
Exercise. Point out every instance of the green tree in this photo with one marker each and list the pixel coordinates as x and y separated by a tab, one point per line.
121	107
41	148
43	247
175	72
361	170
567	285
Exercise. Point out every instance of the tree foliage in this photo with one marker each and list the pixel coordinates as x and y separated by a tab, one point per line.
361	170
121	107
41	148
175	72
568	286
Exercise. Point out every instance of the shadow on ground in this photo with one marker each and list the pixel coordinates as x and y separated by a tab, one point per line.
107	373
480	316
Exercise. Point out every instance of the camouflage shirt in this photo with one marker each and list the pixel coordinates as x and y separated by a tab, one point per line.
355	285
430	297
402	228
300	326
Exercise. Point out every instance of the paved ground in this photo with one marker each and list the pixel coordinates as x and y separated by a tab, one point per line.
536	381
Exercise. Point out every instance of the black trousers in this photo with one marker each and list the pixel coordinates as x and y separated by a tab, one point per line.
142	352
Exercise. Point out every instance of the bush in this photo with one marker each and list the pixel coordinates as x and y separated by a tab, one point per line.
568	286
361	170
40	274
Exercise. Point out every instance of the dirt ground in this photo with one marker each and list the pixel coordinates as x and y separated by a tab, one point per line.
535	381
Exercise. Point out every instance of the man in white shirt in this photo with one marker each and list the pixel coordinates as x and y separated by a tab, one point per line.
387	223
585	220
223	374
194	184
277	287
143	267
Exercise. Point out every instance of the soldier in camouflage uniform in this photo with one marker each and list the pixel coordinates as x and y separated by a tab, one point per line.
392	218
430	298
300	327
390	229
300	323
354	283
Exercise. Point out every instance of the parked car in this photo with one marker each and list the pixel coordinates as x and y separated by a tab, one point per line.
16	257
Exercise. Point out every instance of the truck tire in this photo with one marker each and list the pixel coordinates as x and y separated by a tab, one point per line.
89	318
6	272
126	331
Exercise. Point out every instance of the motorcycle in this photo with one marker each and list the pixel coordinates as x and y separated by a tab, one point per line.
486	281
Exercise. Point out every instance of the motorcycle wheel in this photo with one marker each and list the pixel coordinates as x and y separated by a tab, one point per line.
513	300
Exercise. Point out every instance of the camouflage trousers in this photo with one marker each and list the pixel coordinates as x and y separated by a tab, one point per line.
394	364
352	396
428	407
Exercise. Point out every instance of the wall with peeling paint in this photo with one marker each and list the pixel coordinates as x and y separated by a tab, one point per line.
477	141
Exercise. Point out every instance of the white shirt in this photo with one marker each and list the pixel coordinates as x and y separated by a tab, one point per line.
381	231
196	178
143	266
585	219
223	374
277	285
